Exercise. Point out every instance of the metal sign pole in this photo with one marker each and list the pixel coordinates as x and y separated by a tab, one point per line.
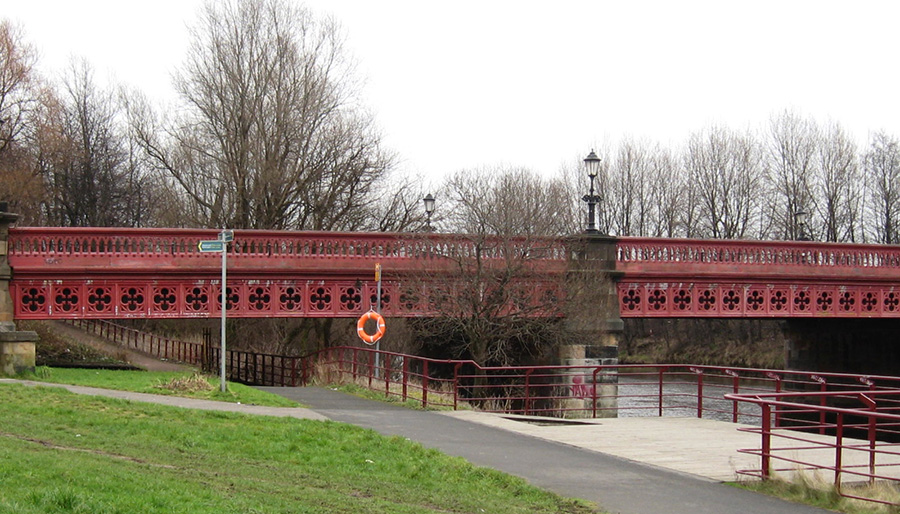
378	310
220	245
224	308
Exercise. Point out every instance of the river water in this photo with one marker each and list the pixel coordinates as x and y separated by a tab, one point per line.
639	397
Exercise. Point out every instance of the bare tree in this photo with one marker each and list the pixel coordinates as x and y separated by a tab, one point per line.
492	304
724	168
397	206
83	155
882	171
17	59
838	186
667	189
19	88
625	190
270	135
792	151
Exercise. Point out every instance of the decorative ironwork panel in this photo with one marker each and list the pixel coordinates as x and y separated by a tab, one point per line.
321	298
716	300
133	299
291	298
801	301
779	301
67	299
99	300
708	300
351	298
891	302
32	301
164	301
259	298
197	299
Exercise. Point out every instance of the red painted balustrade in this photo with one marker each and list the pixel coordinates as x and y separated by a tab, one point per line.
115	272
120	273
756	279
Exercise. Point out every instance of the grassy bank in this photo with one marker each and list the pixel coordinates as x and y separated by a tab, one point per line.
61	452
190	385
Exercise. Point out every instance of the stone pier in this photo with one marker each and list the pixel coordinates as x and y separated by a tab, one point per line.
593	317
16	346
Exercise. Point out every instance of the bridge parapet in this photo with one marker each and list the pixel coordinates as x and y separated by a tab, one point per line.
757	279
68	250
655	256
116	273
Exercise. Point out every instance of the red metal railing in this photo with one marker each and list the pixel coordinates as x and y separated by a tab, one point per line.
246	367
249	246
639	252
35	245
605	390
150	344
851	434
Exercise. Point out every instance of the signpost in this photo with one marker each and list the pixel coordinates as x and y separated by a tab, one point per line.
378	310
220	245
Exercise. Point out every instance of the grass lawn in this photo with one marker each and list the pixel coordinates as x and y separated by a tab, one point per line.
61	452
190	385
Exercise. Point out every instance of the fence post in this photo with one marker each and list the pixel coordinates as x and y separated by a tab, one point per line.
387	375
872	432
371	367
838	451
405	375
456	384
528	373
736	389
766	441
823	387
660	404
424	384
699	373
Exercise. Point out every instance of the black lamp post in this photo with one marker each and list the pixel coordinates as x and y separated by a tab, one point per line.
592	163
801	216
429	210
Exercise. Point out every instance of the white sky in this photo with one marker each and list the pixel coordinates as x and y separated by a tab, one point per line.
474	83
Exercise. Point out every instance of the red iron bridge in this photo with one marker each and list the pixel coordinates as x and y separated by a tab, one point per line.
73	273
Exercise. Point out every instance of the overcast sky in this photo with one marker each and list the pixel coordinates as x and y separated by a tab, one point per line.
467	84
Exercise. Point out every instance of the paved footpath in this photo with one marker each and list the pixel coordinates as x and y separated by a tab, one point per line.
617	485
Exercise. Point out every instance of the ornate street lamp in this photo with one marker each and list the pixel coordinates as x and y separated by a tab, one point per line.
429	210
592	163
801	217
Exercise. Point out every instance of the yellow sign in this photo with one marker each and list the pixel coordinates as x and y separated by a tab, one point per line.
377	271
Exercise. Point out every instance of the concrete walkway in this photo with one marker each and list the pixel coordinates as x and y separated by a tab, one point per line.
552	457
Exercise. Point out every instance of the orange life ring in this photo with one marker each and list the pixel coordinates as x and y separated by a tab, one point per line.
361	327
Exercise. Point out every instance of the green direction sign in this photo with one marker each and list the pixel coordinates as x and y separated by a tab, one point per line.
212	245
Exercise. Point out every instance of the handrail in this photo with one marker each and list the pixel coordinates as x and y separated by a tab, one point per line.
150	242
730	252
647	253
871	455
